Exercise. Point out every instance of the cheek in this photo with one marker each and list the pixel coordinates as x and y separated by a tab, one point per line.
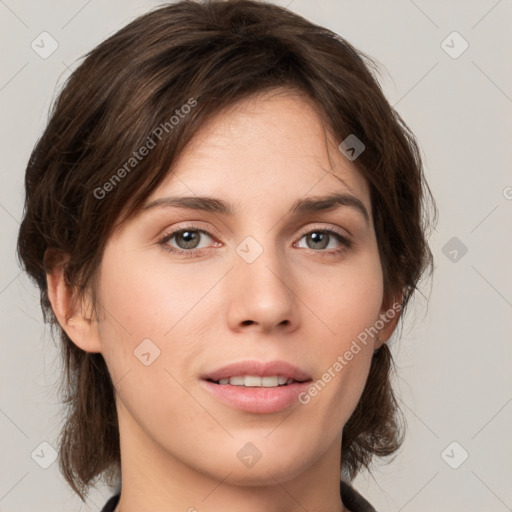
148	314
350	298
151	301
165	305
349	305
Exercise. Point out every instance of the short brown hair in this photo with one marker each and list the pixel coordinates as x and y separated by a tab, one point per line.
214	53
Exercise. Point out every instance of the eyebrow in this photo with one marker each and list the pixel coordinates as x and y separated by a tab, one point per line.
301	206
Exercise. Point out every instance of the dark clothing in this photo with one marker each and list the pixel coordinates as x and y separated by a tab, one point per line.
350	497
111	504
353	500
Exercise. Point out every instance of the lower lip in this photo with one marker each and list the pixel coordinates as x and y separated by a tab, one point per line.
257	399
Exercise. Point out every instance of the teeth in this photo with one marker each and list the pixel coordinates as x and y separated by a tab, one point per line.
255	381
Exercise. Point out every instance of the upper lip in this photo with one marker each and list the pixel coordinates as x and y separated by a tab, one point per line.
258	368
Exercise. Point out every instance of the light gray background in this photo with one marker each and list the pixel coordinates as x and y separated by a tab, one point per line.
455	356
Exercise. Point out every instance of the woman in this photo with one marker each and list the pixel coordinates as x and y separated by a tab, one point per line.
226	220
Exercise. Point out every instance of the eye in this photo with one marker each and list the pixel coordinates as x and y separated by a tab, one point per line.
320	239
187	240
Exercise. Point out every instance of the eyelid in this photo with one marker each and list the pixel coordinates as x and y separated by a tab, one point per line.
320	227
191	225
199	226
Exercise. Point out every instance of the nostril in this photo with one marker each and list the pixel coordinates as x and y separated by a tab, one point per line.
247	322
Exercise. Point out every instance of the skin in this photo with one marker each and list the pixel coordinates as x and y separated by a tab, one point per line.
298	301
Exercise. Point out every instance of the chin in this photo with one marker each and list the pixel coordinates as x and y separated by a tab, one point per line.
262	474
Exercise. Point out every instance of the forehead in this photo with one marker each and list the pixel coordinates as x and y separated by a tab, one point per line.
274	144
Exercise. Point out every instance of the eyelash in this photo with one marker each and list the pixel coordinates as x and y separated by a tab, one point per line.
193	253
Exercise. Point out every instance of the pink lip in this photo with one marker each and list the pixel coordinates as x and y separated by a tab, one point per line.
258	368
257	400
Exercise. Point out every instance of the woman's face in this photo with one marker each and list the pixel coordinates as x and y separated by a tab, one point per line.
261	282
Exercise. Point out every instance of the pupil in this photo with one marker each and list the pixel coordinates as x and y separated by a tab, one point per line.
190	239
319	238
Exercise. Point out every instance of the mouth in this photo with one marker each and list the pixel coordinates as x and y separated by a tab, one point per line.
255	381
257	373
257	399
257	387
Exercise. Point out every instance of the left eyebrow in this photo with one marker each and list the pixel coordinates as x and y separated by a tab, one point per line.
301	206
329	203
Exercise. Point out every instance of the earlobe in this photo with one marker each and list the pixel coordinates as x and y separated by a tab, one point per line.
389	315
72	315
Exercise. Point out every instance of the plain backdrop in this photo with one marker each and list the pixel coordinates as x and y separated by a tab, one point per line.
454	357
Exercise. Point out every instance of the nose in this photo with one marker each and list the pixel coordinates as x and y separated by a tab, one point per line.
261	293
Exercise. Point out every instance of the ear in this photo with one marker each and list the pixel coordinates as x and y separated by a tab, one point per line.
389	314
74	316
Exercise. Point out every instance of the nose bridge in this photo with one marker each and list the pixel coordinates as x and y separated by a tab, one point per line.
262	284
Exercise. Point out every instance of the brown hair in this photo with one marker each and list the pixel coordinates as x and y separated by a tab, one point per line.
207	55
